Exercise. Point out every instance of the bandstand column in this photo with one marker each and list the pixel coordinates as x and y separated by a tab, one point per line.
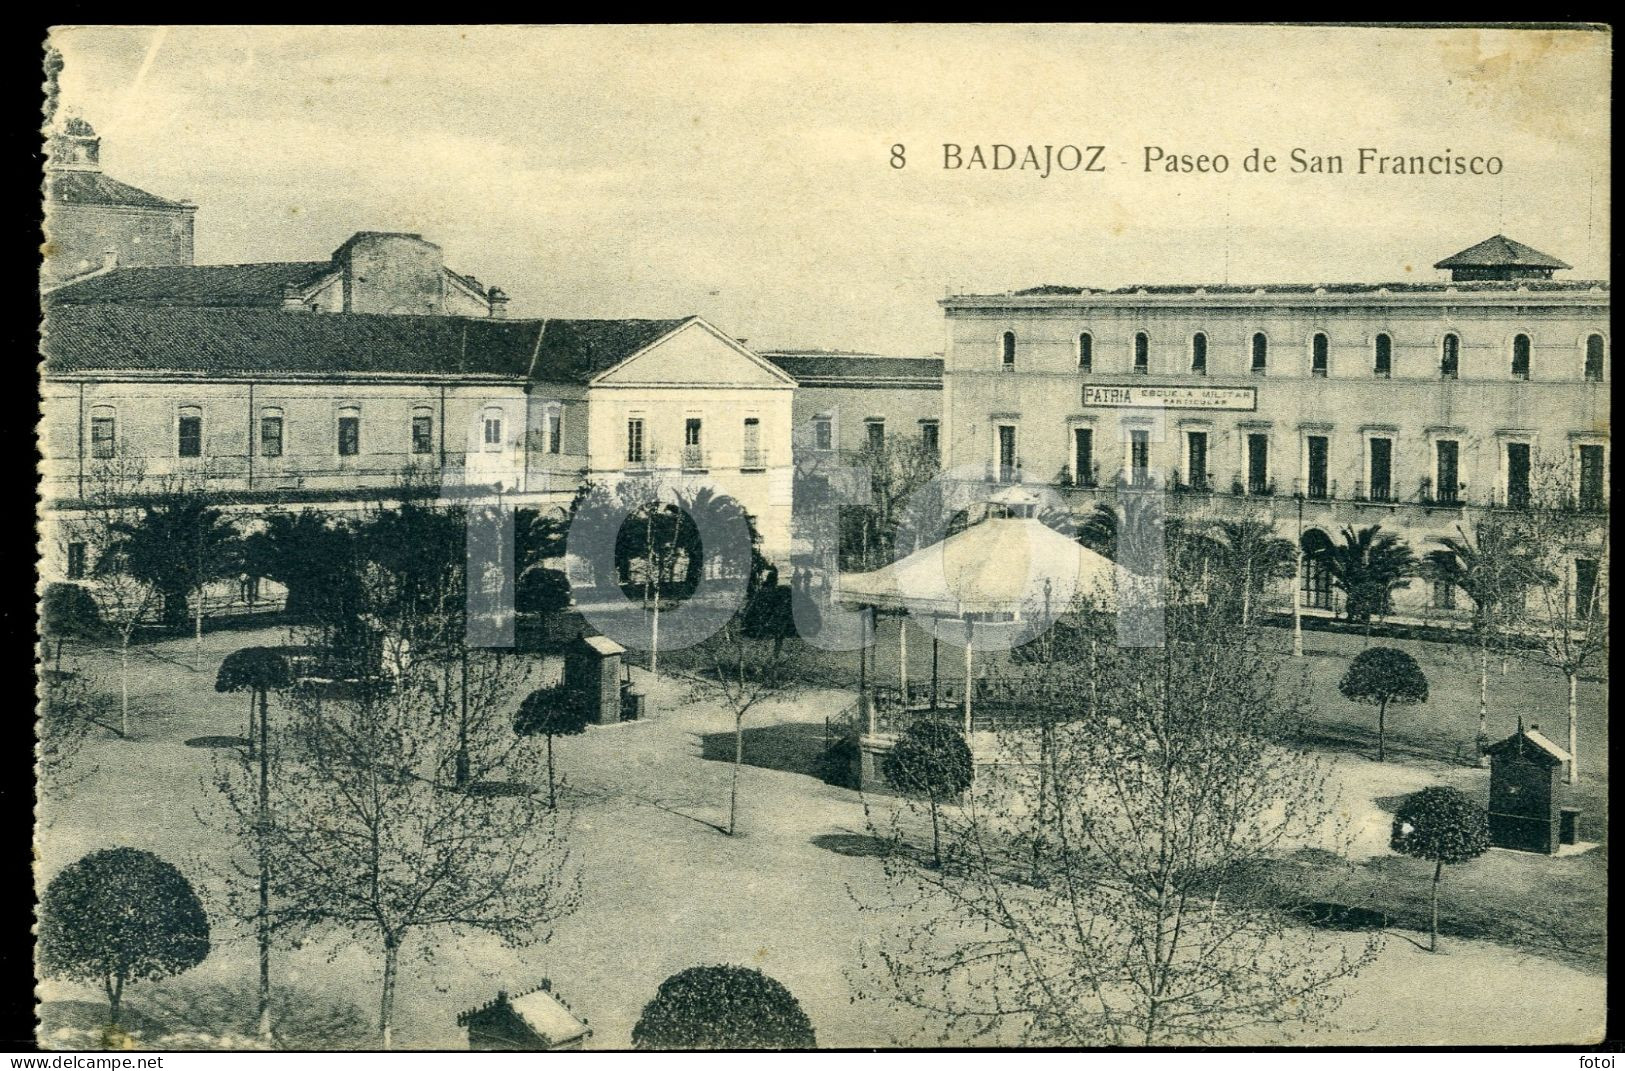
902	656
970	632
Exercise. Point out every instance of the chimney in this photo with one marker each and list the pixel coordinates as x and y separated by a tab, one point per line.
743	341
499	303
109	260
292	299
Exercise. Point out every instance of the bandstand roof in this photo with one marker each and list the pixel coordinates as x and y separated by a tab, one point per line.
997	566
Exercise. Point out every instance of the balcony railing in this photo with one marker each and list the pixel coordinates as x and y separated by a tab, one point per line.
1315	489
753	460
695	459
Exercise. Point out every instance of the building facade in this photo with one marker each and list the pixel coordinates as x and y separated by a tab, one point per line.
1408	405
93	221
267	410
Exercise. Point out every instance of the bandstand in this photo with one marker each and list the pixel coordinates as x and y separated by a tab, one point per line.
976	590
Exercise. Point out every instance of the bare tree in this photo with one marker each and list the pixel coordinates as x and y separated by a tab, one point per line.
1127	902
740	673
1562	621
124	598
371	832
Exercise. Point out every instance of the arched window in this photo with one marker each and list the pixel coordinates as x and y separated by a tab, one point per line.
349	431
1450	356
1086	352
1007	349
1142	352
1520	356
1317	578
1319	353
1199	354
1261	354
491	428
103	431
1594	358
1384	360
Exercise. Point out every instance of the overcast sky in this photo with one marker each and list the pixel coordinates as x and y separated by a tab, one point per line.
744	174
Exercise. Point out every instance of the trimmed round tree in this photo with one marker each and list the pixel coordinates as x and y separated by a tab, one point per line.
1381	676
118	916
723	1007
258	671
1444	825
551	712
930	760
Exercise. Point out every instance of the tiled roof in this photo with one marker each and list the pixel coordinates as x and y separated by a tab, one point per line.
196	284
95	188
115	338
1500	252
828	369
270	342
1061	294
577	350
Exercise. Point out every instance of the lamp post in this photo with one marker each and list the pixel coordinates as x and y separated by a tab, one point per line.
1297	585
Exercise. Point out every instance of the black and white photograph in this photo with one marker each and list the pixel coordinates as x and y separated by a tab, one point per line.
893	536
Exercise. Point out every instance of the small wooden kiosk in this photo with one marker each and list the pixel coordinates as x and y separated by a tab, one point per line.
1526	772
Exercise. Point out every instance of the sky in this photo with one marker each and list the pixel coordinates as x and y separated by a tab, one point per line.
745	173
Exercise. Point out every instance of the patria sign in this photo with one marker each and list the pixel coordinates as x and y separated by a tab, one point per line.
1150	397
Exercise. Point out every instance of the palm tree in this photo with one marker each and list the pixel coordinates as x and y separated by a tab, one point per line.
1494	571
1250	555
1099	530
1368	566
178	546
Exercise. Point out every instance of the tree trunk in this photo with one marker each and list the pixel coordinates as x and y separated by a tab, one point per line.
1433	937
1483	692
386	1004
936	835
197	634
1382	717
114	984
552	798
252	734
265	869
124	684
461	773
1574	728
739	759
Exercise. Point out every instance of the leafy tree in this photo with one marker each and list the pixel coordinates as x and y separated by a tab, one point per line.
930	759
1443	825
178	546
118	916
259	671
723	1007
309	556
1495	571
542	591
551	712
1384	675
1368	566
69	612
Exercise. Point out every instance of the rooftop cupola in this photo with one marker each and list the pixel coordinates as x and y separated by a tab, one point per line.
75	147
1499	259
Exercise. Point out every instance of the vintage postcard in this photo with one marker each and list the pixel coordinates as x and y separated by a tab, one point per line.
823	537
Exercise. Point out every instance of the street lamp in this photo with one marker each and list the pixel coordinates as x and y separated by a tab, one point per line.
1297	584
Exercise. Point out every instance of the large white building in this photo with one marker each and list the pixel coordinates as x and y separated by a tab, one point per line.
1409	405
